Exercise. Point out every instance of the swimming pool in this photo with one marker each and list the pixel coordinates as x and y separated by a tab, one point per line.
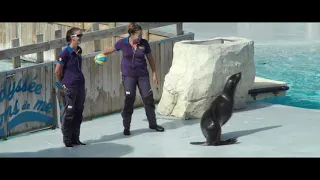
296	63
6	64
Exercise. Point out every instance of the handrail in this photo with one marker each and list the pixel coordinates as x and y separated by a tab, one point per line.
12	71
61	42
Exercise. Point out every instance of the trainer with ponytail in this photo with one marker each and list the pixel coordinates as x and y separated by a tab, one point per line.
135	73
69	74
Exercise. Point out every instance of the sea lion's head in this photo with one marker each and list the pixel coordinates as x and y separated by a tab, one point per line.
233	81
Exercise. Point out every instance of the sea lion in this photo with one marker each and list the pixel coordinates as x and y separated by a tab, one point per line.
219	113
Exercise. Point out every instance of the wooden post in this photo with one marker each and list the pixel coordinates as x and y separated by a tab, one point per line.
57	51
57	35
40	58
6	105
16	61
179	29
96	45
16	27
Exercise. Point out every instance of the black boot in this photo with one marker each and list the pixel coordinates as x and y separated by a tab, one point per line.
127	113
68	144
157	128
126	132
78	143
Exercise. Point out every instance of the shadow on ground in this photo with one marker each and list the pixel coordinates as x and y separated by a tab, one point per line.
172	124
246	132
90	150
237	134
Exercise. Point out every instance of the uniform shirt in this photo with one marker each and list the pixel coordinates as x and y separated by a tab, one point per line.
72	65
133	62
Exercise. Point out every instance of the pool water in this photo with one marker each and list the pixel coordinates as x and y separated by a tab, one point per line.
6	64
292	61
296	63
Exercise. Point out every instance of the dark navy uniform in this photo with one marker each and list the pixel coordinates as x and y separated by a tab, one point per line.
74	94
135	73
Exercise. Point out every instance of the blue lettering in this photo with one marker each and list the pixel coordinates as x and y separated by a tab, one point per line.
48	107
26	106
38	89
11	91
25	84
38	86
19	88
9	112
3	117
15	109
43	106
31	87
8	90
3	91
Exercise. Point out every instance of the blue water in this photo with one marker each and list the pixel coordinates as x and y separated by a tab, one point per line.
296	63
287	57
6	64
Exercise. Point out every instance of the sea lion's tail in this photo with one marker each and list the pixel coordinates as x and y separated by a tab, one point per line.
221	143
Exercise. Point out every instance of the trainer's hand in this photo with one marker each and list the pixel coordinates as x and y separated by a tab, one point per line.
155	80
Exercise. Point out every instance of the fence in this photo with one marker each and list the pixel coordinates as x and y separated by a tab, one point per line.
27	99
28	95
27	35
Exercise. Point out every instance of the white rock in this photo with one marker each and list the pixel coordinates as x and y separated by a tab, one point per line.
199	71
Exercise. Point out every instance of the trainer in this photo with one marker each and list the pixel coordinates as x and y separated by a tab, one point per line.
135	73
69	73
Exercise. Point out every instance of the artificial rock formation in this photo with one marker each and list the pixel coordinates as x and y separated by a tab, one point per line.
199	72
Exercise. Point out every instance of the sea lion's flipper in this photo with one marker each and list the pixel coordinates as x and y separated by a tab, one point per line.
227	142
215	136
235	139
199	143
219	143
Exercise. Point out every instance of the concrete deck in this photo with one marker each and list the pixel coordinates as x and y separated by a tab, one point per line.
264	130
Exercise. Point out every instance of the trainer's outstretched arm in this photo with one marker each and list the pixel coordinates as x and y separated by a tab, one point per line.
108	51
